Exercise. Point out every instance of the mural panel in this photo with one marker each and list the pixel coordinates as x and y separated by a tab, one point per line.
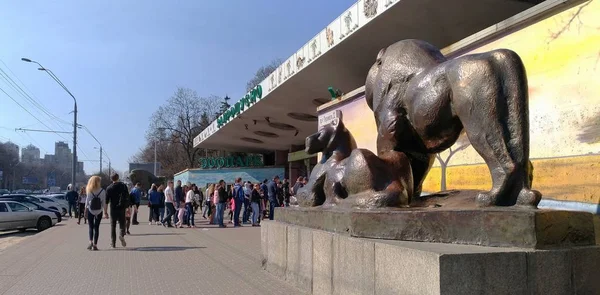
562	58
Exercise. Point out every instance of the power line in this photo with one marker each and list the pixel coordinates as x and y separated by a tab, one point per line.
26	110
33	99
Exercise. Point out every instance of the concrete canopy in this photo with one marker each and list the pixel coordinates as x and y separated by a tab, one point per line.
345	65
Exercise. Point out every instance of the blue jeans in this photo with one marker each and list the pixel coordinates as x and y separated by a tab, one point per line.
94	226
161	213
255	212
246	214
219	214
236	212
73	206
190	213
272	205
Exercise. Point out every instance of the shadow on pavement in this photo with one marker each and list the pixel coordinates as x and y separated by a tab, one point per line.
5	234
155	234
161	249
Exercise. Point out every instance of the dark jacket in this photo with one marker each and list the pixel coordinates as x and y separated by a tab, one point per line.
161	202
272	188
265	190
113	194
154	197
255	196
137	195
222	195
179	196
72	196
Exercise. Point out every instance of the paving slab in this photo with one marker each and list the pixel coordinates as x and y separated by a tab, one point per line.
157	260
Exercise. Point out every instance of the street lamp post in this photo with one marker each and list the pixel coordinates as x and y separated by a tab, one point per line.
100	157
53	76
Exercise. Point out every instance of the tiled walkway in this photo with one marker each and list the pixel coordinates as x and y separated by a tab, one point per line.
157	260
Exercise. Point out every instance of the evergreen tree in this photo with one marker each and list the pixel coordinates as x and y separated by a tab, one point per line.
224	106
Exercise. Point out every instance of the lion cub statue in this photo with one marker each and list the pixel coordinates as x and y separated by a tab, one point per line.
353	178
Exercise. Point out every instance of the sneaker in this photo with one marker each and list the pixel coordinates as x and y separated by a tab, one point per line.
149	223
90	246
94	248
128	233
123	243
113	246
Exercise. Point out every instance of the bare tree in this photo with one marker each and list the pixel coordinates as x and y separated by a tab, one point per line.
180	120
461	144
262	73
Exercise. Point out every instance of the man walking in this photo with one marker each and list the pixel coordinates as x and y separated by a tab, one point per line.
179	197
238	198
117	196
169	199
247	195
136	192
72	197
272	189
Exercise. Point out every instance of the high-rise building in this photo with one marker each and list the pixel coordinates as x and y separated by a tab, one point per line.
12	148
49	159
30	154
80	167
63	155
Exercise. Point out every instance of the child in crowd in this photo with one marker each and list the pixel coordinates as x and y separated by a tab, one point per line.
180	213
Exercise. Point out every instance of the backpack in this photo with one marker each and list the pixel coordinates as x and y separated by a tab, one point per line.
239	193
123	197
96	203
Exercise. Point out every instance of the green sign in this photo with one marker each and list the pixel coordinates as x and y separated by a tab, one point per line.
231	162
249	99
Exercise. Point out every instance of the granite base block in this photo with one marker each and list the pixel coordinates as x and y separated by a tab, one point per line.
321	262
496	226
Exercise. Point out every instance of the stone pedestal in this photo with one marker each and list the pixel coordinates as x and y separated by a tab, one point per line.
329	260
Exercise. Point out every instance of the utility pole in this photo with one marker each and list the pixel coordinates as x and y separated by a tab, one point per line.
74	168
53	76
100	159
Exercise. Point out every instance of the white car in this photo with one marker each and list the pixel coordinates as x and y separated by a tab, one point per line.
48	204
59	198
14	215
64	205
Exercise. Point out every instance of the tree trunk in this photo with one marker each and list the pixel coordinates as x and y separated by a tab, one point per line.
443	178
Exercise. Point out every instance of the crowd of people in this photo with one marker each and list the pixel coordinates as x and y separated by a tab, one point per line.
176	205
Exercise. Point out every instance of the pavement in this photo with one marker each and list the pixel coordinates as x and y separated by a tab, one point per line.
157	260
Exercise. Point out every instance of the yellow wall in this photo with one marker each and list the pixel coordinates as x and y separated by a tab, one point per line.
562	58
570	178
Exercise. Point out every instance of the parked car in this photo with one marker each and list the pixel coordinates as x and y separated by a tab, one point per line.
4	192
33	206
14	215
46	204
62	203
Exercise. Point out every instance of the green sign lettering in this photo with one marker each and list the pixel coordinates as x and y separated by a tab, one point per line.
248	100
231	162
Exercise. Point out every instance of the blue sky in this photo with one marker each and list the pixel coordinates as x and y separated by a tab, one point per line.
121	59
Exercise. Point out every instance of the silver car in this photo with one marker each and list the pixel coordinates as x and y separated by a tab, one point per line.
14	215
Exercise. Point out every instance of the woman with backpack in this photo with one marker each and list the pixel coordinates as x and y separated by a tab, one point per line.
95	203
